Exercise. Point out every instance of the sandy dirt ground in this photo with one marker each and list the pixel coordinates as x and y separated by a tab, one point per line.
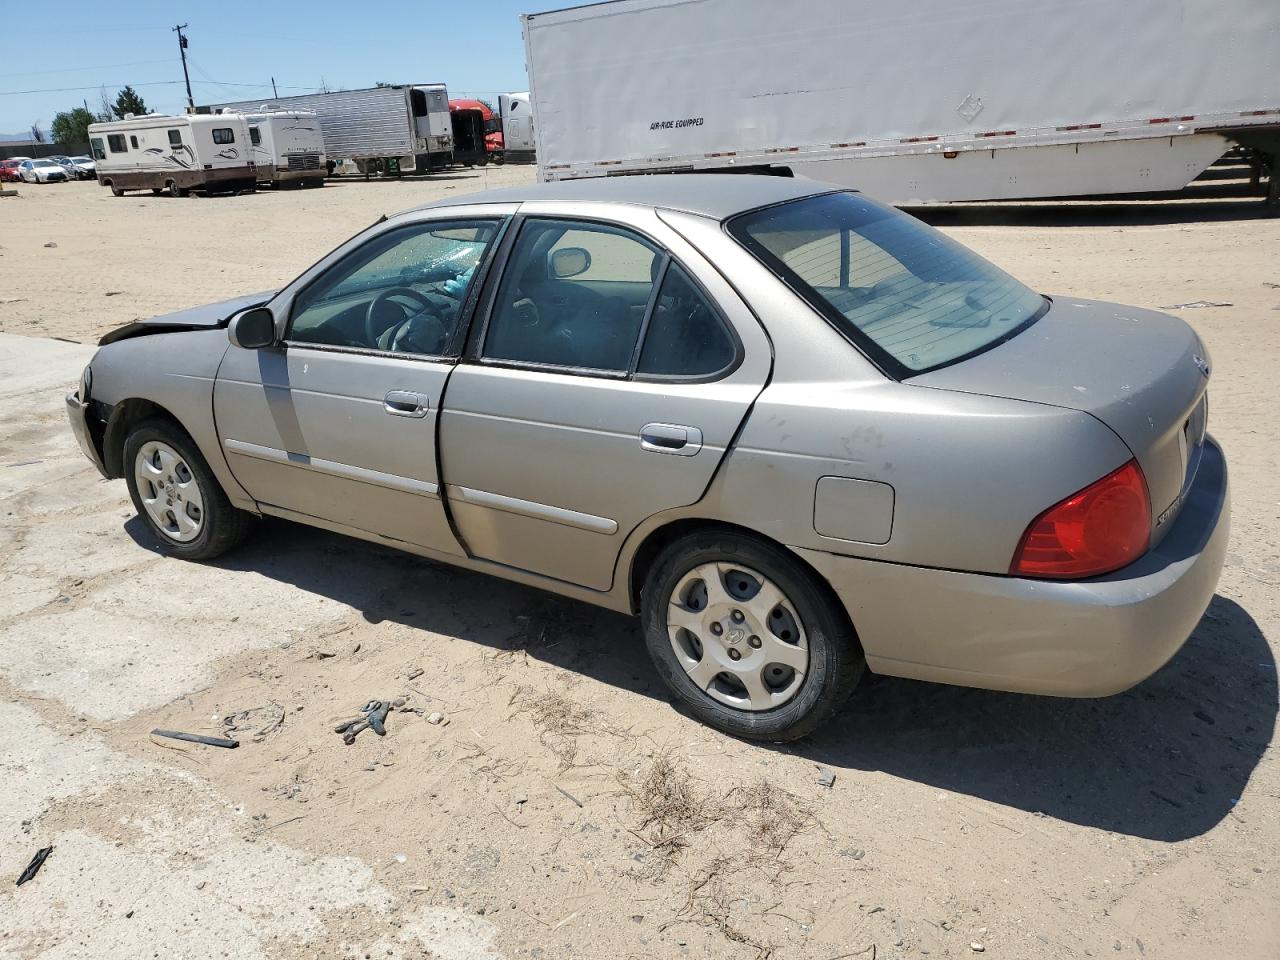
563	808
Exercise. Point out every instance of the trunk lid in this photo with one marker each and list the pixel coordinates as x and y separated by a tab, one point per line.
1140	372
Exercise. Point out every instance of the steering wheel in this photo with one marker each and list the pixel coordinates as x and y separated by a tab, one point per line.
371	334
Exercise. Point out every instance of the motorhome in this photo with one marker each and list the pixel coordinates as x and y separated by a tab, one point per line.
287	147
174	154
932	100
393	129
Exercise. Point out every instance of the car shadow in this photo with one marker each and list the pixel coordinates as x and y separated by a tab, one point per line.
1166	760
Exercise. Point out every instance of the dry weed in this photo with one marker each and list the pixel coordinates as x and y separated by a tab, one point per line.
560	721
773	817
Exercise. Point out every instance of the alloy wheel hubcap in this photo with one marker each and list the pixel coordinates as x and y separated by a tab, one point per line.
169	491
737	636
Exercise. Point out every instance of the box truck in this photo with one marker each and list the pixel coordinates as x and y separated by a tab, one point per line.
287	147
173	154
930	100
392	129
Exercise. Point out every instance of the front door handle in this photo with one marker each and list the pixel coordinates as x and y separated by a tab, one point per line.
404	403
670	438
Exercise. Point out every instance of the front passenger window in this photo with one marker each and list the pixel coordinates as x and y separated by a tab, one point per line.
403	291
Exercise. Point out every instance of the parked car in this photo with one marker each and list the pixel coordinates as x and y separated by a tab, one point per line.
65	163
9	169
799	433
42	171
84	168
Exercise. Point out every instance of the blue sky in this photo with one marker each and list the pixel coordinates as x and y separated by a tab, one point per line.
475	47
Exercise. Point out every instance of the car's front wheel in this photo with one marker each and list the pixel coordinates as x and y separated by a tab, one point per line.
177	495
746	637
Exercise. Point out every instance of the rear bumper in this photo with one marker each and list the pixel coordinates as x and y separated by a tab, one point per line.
78	414
1088	638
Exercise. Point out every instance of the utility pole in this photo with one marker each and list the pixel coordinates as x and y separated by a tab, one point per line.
274	93
182	50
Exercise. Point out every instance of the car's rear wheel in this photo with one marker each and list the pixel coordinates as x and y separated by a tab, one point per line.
177	495
746	638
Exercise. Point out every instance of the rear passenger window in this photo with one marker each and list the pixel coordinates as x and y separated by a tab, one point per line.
223	135
573	295
685	337
255	138
175	138
116	142
133	142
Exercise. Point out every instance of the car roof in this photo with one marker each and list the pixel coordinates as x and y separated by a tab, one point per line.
716	195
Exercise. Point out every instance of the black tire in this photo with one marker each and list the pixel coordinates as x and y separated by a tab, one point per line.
117	192
224	526
836	663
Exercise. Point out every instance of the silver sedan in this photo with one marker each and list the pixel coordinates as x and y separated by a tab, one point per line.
800	434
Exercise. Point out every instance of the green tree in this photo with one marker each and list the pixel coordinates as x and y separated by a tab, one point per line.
128	101
71	127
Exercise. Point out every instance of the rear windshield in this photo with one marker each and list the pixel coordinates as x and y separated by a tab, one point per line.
910	297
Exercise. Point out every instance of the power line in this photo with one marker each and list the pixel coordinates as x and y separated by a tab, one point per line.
101	66
150	83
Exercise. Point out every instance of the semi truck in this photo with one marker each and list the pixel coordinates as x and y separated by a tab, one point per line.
929	101
390	129
515	110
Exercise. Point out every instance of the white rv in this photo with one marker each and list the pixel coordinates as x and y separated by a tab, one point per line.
173	154
929	100
287	147
516	110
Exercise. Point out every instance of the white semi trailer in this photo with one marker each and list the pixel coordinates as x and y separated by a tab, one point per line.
910	102
392	129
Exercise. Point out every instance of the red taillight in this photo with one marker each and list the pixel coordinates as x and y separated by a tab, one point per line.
1104	527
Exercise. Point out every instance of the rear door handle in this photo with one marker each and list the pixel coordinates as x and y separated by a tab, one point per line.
404	403
670	438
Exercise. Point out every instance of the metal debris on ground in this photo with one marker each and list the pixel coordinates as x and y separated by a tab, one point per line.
34	866
567	794
261	721
197	738
826	777
373	716
1197	304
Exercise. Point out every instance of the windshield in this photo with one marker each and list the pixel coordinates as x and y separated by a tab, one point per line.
912	298
43	163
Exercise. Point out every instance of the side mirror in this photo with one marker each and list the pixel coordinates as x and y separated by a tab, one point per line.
252	329
568	262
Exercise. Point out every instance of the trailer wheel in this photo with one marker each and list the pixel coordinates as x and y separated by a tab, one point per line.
171	187
117	191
